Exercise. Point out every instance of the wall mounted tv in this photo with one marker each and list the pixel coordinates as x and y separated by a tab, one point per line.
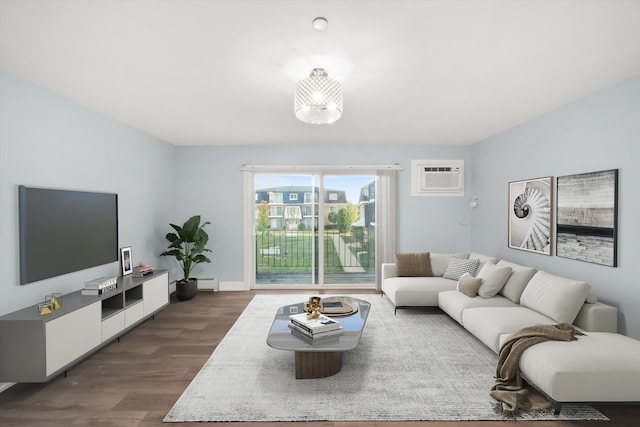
64	231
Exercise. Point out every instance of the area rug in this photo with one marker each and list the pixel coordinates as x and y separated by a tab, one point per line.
418	365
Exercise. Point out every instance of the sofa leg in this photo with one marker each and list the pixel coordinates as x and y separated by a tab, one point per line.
395	310
557	407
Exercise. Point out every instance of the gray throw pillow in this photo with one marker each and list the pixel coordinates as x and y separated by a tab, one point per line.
458	266
469	285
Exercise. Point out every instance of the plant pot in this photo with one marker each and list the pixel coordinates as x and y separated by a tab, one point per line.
186	290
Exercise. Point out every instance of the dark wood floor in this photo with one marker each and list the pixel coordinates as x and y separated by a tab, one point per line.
136	381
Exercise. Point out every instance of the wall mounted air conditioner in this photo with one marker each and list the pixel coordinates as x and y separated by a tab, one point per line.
437	177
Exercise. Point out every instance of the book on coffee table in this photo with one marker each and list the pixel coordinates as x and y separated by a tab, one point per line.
314	326
316	339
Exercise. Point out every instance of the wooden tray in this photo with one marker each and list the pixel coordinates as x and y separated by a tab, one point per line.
352	310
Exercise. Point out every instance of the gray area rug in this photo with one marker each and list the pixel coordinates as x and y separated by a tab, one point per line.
417	365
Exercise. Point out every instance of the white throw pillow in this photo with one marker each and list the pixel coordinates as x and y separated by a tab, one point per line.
518	280
493	279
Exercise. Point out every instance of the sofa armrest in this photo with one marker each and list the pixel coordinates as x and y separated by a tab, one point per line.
597	317
389	270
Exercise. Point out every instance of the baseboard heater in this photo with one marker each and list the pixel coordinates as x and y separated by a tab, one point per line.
211	283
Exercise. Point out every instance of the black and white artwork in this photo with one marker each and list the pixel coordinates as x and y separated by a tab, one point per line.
588	217
530	204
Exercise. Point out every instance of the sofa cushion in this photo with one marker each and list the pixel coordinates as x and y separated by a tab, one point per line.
556	297
454	303
413	264
458	266
489	323
493	279
469	285
416	291
597	367
520	276
440	262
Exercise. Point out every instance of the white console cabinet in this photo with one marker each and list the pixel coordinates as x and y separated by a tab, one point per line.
35	348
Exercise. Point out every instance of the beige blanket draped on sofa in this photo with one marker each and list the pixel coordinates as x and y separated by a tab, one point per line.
513	394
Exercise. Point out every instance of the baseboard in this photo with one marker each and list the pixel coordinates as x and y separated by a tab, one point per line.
233	286
5	386
212	284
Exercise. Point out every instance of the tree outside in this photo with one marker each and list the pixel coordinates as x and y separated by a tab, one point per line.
346	217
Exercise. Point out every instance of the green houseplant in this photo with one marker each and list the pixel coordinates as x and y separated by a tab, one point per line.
187	246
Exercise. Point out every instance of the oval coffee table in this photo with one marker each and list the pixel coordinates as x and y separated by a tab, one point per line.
318	358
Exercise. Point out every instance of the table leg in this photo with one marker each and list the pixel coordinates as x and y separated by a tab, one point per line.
317	364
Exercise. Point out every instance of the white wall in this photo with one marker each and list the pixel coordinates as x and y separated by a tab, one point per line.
49	141
599	132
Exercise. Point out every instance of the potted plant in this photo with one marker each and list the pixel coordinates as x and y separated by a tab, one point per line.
187	245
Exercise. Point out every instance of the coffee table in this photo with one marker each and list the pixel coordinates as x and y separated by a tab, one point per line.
319	358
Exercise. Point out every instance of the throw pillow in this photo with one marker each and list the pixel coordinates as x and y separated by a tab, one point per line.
493	279
458	266
413	264
469	285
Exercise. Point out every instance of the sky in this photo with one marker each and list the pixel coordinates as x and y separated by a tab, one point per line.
351	184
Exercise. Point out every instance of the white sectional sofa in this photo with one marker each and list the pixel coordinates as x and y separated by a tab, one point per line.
601	366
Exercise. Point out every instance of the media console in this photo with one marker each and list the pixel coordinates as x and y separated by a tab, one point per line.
35	348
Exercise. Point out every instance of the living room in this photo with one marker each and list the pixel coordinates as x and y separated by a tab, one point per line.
47	139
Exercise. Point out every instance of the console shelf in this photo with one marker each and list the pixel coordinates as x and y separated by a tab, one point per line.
36	348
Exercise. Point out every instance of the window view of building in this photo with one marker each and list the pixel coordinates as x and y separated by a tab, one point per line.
297	245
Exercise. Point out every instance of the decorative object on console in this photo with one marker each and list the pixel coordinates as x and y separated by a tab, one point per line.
142	270
530	204
587	217
126	260
50	304
187	246
100	286
318	99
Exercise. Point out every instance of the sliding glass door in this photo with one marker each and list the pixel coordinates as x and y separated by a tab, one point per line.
314	230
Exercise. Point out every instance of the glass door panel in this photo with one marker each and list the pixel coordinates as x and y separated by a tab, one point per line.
285	229
314	230
349	229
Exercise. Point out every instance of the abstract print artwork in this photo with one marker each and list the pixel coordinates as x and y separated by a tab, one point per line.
587	217
530	204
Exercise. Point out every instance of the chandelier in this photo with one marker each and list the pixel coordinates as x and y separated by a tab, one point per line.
318	99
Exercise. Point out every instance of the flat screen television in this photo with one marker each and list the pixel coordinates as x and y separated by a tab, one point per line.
63	231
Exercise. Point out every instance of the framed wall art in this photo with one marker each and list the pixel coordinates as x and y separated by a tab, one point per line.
126	260
530	203
587	217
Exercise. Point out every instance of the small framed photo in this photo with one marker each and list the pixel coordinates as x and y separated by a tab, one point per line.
126	260
530	203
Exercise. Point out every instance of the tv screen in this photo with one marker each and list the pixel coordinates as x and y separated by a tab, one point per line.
64	231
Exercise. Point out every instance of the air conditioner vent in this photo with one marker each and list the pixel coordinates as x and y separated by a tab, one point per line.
437	177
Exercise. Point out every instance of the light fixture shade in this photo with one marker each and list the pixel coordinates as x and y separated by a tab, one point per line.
318	99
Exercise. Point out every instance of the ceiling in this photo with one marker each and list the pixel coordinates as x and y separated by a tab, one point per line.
222	72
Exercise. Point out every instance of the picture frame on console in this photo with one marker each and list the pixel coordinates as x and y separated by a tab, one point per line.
530	208
126	260
587	217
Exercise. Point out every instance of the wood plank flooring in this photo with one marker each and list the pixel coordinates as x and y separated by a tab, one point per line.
135	381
